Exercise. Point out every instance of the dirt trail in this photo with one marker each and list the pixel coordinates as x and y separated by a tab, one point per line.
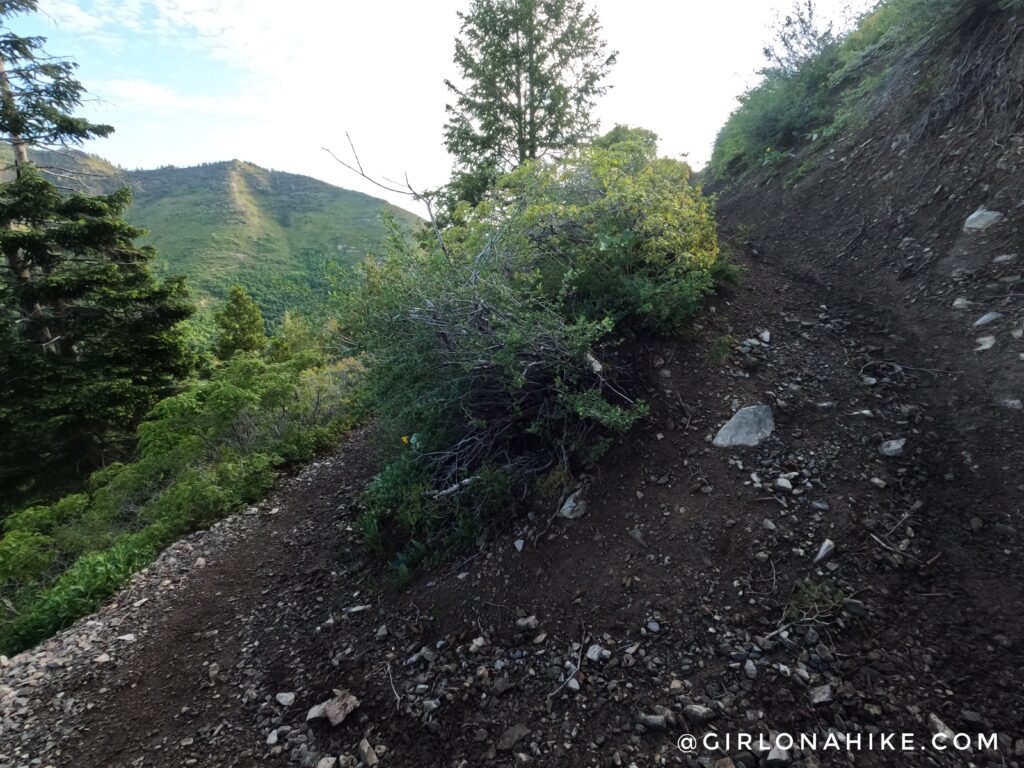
686	598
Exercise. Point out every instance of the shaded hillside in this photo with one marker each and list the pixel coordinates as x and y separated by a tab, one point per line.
232	221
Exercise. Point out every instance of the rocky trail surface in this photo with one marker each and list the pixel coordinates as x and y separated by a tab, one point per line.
856	571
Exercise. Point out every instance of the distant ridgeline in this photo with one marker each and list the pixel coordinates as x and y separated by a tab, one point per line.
233	222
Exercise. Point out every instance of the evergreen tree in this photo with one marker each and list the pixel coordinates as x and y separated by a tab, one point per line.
89	339
532	71
240	325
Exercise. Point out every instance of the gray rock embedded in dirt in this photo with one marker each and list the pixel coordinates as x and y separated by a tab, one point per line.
574	506
511	736
285	699
750	669
982	219
892	448
698	714
825	551
653	722
748	427
367	753
334	710
820	694
777	757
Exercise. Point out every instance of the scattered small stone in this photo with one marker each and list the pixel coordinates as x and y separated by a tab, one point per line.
698	714
961	302
511	736
777	757
367	753
985	343
825	551
892	448
573	507
518	544
382	632
750	669
285	699
987	319
527	622
594	653
943	733
820	694
879	482
653	722
327	762
334	710
783	484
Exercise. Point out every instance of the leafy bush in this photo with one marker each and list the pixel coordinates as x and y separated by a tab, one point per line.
202	454
819	85
486	342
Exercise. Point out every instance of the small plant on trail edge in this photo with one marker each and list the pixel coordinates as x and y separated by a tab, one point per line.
486	342
722	347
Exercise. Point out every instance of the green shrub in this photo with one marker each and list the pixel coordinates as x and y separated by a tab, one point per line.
833	87
202	453
485	345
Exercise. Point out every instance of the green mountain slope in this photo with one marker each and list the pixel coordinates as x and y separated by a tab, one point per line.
233	222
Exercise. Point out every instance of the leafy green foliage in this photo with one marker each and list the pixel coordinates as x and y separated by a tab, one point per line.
819	84
239	325
486	346
530	73
202	453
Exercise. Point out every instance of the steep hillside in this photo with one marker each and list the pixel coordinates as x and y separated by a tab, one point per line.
232	221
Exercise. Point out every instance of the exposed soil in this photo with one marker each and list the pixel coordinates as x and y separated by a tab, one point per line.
687	598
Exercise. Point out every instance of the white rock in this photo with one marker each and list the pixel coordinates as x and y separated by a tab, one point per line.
527	622
765	337
748	427
574	506
825	550
982	219
285	699
594	652
518	544
987	318
367	753
985	343
783	484
961	303
892	448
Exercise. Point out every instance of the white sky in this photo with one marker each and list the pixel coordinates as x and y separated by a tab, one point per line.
190	81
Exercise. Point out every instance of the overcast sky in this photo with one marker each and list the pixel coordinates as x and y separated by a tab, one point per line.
191	81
